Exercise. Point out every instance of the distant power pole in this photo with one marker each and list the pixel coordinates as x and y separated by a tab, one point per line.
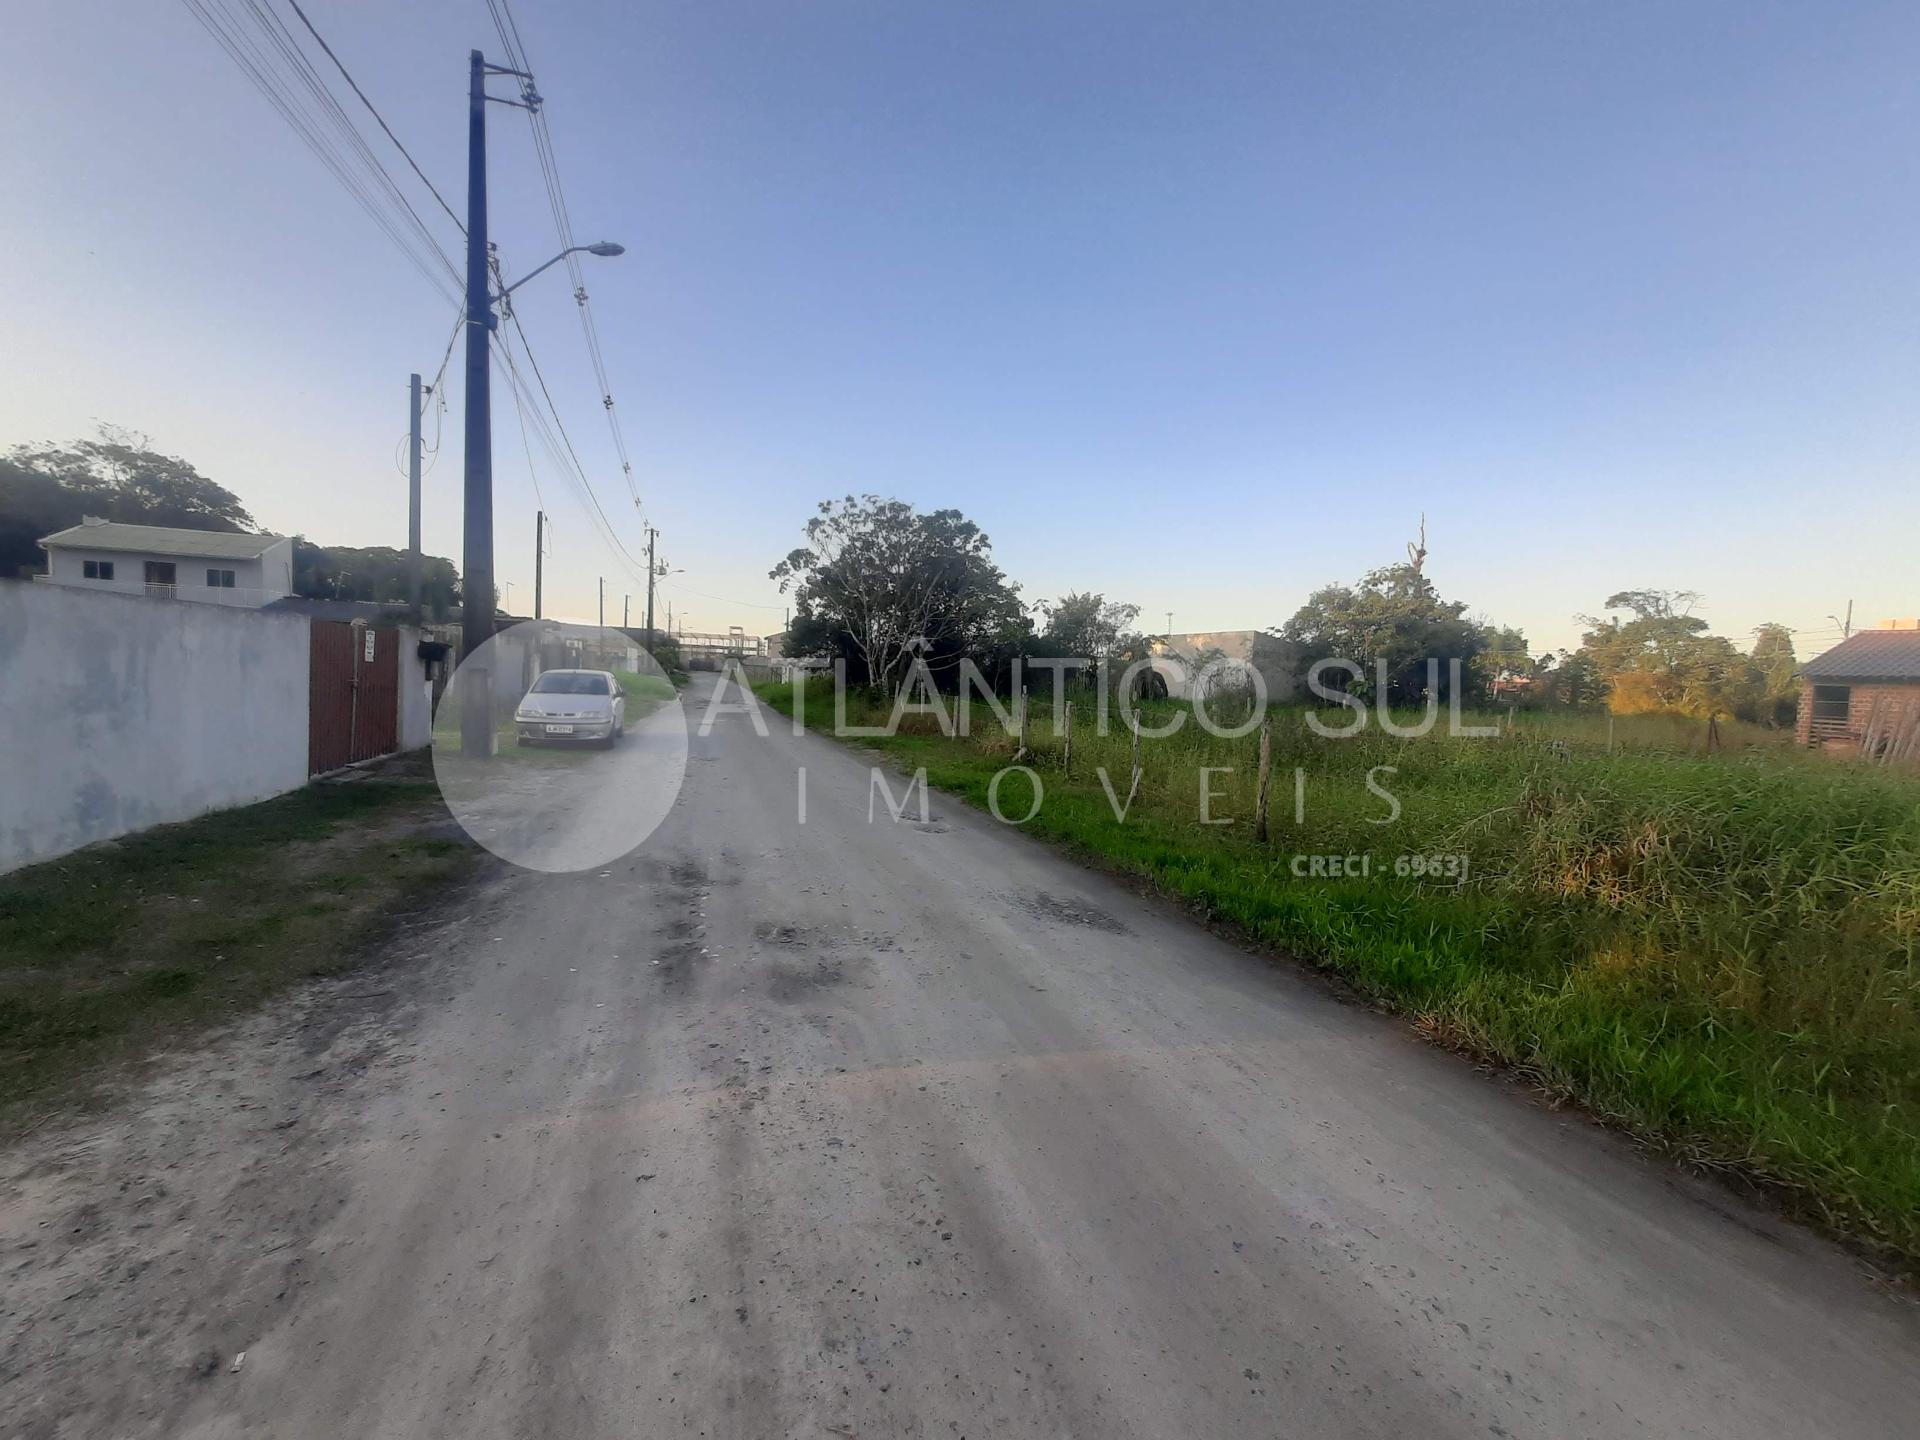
539	553
603	602
625	601
652	534
413	497
1169	624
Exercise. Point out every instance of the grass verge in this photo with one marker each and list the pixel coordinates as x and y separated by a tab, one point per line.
1719	953
118	949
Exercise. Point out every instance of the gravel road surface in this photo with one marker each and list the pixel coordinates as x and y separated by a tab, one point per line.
877	1129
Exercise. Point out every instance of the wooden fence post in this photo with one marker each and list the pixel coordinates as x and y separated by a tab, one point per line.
1136	751
1066	755
1266	780
1609	734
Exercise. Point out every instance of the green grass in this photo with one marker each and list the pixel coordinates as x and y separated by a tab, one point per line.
119	949
1721	953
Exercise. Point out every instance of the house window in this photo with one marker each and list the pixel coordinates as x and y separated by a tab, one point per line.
219	579
160	572
1831	704
97	569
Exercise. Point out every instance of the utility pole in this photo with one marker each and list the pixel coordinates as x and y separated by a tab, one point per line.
625	602
651	535
1849	625
413	497
476	557
539	553
603	602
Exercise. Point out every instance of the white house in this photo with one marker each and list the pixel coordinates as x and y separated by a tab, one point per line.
207	565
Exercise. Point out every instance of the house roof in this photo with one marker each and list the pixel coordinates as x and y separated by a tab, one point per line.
1870	655
160	540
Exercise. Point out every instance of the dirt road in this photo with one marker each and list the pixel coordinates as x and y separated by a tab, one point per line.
873	1129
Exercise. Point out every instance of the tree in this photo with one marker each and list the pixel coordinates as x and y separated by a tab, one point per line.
376	573
878	582
1776	674
1663	659
1086	625
1395	617
1503	656
117	476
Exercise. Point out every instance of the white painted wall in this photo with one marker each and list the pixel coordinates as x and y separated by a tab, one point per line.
118	712
416	692
258	581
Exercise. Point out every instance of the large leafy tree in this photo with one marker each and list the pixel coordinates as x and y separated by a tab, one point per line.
117	475
1393	617
1662	658
879	582
343	572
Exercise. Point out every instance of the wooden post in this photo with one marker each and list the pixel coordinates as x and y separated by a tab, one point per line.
1023	726
1136	750
1066	754
1266	780
1609	734
1713	731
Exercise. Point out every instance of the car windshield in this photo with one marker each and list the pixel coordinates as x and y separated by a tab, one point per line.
570	682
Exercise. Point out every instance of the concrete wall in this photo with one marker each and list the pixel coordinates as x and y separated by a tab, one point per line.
119	712
255	582
416	692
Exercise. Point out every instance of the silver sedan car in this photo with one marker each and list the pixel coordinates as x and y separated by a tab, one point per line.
572	705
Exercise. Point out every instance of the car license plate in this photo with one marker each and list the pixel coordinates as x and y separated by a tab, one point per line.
559	729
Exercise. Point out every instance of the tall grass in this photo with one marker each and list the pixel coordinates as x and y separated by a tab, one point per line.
1721	951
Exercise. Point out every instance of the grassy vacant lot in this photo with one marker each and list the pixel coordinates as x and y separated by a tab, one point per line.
121	948
1721	952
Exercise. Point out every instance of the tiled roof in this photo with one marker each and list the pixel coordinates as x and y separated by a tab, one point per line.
1870	655
160	540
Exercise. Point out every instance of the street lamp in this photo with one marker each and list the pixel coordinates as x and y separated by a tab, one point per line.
476	556
605	248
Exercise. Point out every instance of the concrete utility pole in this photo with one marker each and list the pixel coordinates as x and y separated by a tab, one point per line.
626	602
539	554
476	556
651	535
413	498
603	602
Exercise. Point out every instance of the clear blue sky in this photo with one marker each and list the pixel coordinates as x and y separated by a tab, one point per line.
1197	305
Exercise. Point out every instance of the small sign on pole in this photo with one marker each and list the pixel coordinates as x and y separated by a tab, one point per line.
367	653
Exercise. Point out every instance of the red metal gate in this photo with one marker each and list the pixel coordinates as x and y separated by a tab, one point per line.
353	705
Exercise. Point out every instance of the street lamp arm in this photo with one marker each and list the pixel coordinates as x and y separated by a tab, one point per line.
605	247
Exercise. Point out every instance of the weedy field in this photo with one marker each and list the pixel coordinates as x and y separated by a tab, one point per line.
1720	952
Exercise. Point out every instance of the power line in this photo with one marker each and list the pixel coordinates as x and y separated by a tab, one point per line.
321	42
565	457
721	599
509	31
266	53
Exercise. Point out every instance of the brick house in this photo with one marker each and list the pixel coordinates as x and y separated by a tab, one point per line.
1875	676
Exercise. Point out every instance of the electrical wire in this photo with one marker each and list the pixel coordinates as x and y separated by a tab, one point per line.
551	430
355	84
722	599
265	51
515	48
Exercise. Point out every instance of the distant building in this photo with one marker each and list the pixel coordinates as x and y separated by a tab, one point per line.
212	566
1223	657
1873	678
